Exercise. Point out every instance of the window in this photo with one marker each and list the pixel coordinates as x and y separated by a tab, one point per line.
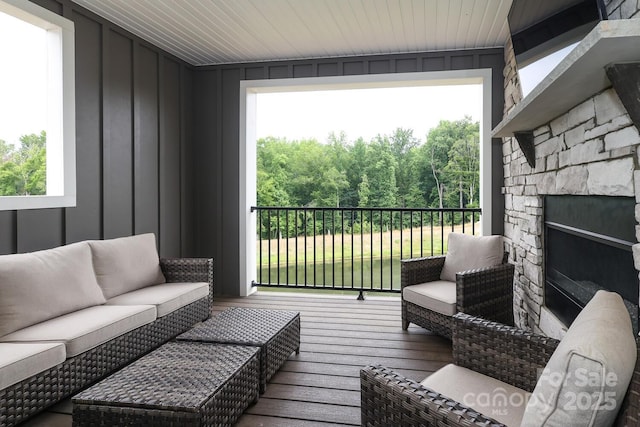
37	108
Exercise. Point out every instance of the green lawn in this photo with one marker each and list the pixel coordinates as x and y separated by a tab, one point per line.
385	245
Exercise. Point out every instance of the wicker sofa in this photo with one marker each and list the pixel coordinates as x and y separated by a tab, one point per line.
513	364
71	315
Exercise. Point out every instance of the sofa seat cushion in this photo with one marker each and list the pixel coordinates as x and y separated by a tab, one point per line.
489	396
85	329
467	252
126	264
167	297
438	296
587	375
38	286
19	361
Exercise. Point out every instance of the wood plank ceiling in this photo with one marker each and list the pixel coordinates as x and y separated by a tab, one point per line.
207	32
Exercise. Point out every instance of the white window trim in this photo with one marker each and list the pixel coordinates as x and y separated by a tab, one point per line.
61	153
247	167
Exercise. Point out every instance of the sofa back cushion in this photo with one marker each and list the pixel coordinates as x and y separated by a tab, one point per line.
39	286
126	264
466	252
587	376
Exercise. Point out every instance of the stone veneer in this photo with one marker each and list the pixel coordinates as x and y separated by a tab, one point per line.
592	149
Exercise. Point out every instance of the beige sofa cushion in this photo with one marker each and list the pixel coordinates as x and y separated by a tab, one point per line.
587	376
85	329
167	297
19	361
489	396
38	286
438	296
466	252
126	264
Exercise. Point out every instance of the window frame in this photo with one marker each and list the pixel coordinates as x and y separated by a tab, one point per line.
61	157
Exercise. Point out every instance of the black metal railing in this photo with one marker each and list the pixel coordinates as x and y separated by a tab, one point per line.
355	249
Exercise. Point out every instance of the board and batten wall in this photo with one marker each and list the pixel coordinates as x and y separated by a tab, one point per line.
133	115
157	142
216	136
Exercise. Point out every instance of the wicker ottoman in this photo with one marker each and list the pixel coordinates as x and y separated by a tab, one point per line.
276	332
178	384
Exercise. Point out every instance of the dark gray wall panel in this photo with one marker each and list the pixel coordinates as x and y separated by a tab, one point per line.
227	263
40	229
380	66
170	160
188	157
353	68
145	154
302	70
118	176
118	137
208	164
408	65
8	230
216	137
434	63
278	72
85	220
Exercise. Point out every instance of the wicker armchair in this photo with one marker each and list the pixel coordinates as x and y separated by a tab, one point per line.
484	292
503	352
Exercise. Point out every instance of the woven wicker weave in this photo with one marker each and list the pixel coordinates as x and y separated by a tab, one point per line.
485	292
179	384
276	332
502	352
32	395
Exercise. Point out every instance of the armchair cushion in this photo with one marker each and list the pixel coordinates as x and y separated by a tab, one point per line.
466	252
126	264
587	376
499	400
438	296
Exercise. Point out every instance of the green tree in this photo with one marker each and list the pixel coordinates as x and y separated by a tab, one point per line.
450	175
23	170
464	168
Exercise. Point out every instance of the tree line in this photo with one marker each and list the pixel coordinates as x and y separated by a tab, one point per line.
389	171
23	168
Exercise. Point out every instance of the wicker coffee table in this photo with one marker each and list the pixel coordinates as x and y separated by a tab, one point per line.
276	332
178	384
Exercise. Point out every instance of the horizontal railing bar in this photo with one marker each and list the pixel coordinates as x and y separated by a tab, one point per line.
302	209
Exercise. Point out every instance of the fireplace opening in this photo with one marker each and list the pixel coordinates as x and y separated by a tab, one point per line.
587	247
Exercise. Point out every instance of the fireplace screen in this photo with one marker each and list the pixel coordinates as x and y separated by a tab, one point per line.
587	244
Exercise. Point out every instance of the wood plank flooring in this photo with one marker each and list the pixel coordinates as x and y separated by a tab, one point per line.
321	385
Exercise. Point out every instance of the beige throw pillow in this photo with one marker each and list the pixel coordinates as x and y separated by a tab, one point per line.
587	376
126	264
466	252
39	286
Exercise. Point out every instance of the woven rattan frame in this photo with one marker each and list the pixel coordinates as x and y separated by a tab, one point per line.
30	396
178	384
500	351
276	332
485	292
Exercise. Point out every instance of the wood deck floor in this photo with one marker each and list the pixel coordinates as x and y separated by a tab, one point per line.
321	385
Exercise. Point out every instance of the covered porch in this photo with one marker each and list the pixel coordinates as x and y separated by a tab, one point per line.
339	335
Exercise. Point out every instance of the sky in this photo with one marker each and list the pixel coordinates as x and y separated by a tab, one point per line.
364	113
23	108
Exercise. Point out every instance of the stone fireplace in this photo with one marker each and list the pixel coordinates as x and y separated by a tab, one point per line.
572	203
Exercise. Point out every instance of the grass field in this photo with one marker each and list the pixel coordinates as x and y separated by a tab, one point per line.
384	245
